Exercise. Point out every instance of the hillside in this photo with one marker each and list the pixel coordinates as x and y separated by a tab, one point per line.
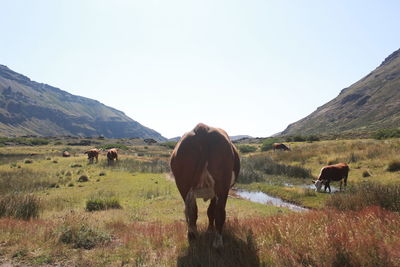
31	108
370	104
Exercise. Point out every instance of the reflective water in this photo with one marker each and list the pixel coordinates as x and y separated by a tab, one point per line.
263	198
312	186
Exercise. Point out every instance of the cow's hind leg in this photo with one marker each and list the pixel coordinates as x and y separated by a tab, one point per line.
220	216
211	214
191	215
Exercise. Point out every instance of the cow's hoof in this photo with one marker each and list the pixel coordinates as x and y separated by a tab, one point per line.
218	243
191	236
210	230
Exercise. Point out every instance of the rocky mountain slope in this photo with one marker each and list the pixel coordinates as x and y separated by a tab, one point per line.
370	104
31	108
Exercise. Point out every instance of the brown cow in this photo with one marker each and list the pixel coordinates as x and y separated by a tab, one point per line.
205	165
93	154
330	173
280	146
111	155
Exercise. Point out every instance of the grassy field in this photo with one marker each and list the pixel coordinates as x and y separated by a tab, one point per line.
131	213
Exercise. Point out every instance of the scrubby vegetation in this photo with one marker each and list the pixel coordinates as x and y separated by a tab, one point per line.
394	166
149	166
367	194
131	213
170	144
103	201
386	133
76	231
24	141
19	206
247	148
255	169
267	143
115	145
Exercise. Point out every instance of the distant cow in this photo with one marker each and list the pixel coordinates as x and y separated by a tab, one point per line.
66	154
280	146
93	154
337	172
205	165
111	155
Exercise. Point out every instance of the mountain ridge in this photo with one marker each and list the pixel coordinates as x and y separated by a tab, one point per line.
370	104
31	108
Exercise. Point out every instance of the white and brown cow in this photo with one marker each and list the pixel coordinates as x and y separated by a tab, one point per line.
205	165
93	154
111	155
336	172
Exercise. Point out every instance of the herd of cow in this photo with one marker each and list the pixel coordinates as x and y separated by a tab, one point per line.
112	154
205	164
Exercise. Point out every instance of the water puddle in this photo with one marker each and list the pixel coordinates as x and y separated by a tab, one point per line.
312	186
263	198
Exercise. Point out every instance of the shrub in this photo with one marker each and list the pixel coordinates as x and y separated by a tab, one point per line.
24	141
102	174
367	194
81	235
247	148
267	144
387	133
76	165
83	178
366	174
393	166
19	206
28	161
170	144
312	138
299	138
102	204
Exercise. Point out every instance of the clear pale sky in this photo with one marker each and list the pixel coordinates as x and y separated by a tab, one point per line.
249	67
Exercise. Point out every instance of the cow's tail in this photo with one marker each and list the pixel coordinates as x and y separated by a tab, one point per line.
236	164
201	131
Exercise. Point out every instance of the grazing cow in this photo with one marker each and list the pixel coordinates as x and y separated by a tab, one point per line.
337	172
279	146
111	155
205	165
66	154
93	154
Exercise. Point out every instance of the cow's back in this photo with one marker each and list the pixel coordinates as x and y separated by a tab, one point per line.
334	172
203	156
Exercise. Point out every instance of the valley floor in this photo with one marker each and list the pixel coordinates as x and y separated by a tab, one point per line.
137	213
